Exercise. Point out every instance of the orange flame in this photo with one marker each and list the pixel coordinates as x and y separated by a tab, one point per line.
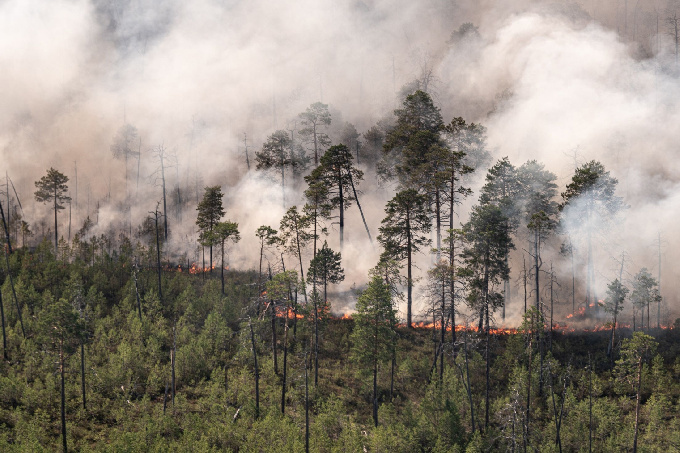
196	269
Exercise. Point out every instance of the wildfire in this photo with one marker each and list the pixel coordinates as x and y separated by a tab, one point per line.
581	313
196	269
290	313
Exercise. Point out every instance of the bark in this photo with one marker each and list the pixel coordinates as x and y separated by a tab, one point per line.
573	279
6	227
375	392
438	220
4	335
342	210
527	415
316	336
259	280
306	407
222	267
172	365
375	372
394	364
409	282
257	373
361	211
299	253
165	209
637	404
274	351
443	331
82	372
452	262
63	396
165	397
285	362
14	293
158	259
488	382
590	405
56	238
139	303
467	387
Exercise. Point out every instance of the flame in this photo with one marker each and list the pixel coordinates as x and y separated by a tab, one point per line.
290	312
196	269
579	314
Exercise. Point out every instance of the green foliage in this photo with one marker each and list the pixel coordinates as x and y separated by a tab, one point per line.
374	323
128	366
403	229
325	268
486	244
315	120
210	211
52	188
616	295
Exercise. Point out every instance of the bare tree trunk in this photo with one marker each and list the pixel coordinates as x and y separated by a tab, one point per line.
375	391
139	303
8	250
409	281
590	405
468	388
306	405
158	258
658	304
285	361
82	372
4	335
361	211
637	404
56	239
488	382
342	210
257	372
165	397
222	267
172	366
394	364
63	395
528	408
274	349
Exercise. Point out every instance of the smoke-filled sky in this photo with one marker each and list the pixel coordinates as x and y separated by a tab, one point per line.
551	81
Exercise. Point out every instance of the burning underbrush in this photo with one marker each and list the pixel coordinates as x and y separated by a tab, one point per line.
494	330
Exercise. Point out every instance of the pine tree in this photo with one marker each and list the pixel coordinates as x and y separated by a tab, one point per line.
616	295
222	233
402	234
324	269
315	120
278	154
337	172
52	189
590	197
375	321
487	242
210	211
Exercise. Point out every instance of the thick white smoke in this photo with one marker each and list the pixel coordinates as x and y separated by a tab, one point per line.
550	82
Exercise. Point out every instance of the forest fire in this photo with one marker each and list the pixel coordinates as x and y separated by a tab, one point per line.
196	269
290	313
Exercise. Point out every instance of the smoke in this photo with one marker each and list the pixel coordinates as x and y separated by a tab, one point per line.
551	81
